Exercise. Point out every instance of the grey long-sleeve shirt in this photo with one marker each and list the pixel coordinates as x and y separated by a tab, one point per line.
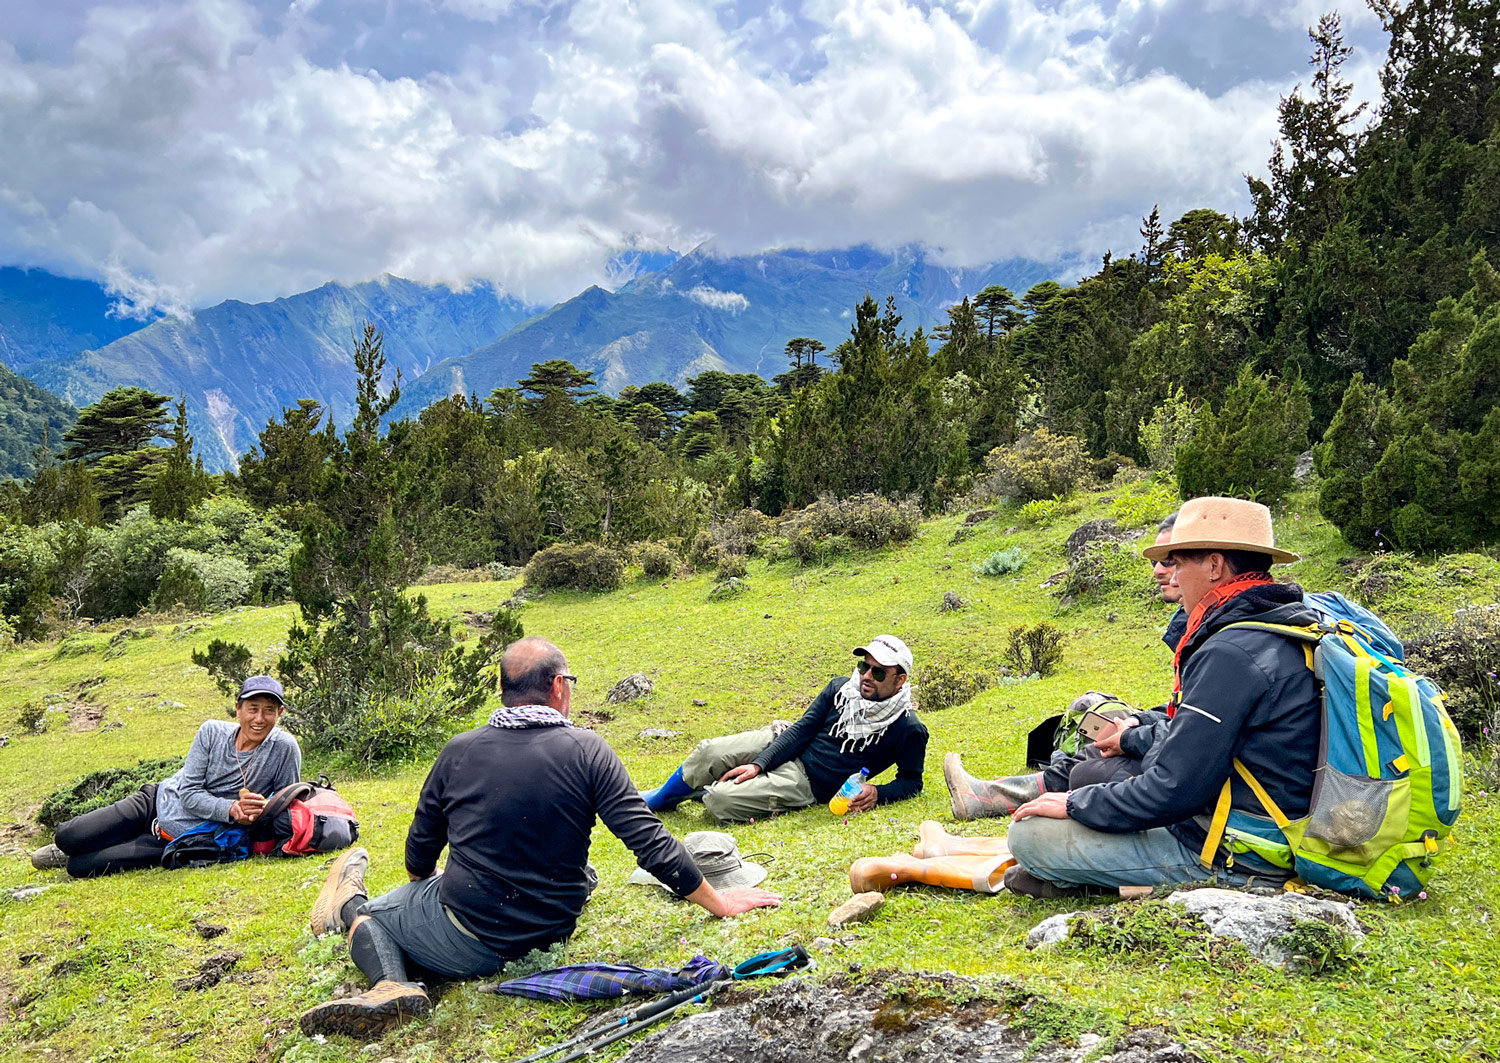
210	780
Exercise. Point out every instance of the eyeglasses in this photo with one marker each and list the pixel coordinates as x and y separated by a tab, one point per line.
874	671
570	678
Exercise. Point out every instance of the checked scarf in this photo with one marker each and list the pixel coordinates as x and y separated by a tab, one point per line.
861	722
1211	602
520	717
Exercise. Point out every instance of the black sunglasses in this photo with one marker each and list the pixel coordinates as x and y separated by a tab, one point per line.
874	671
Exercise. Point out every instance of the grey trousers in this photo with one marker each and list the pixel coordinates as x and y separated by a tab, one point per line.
783	790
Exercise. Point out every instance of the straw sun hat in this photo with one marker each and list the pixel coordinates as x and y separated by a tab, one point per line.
1222	524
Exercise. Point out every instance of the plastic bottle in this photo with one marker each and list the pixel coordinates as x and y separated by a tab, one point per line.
848	792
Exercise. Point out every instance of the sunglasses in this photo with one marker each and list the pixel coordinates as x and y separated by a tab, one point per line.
874	671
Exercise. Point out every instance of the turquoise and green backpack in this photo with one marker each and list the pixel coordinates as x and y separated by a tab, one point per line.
1389	781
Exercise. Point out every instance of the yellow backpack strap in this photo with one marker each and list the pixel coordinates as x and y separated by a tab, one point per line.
1221	813
1216	828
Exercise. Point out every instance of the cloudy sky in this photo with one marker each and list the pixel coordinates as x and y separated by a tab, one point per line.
188	151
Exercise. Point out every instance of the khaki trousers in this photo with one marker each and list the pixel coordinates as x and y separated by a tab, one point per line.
782	790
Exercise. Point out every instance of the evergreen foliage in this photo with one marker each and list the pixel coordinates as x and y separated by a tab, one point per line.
1249	447
115	437
30	417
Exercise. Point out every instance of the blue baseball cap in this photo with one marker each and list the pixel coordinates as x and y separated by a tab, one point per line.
261	684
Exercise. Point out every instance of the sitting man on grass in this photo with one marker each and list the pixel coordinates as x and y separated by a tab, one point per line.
514	802
1239	693
1115	753
862	721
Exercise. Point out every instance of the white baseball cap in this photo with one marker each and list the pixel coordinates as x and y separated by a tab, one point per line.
887	650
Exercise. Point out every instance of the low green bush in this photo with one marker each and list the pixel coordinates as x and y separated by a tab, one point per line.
656	560
731	566
100	788
1145	504
1036	649
834	525
1041	465
943	684
575	566
1104	567
202	582
1463	658
1002	562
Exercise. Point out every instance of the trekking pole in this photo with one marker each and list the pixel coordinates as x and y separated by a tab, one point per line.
778	962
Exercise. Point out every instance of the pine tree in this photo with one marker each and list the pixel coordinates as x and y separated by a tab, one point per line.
181	484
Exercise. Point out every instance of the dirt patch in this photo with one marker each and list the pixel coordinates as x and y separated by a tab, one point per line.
896	1017
85	717
210	972
17	838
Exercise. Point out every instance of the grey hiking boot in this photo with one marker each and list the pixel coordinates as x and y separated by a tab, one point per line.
382	1007
346	880
973	798
48	858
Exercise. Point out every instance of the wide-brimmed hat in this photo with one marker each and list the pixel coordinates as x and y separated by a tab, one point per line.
718	858
1222	524
887	650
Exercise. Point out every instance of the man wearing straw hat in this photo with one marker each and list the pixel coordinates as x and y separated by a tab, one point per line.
1238	693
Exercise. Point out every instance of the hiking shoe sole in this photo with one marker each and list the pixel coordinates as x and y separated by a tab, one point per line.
346	879
369	1015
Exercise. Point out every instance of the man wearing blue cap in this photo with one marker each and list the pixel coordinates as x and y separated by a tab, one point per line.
230	769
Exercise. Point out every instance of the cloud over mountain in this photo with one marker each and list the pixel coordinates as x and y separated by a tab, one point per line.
203	149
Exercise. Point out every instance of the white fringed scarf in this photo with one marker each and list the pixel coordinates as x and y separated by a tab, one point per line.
861	723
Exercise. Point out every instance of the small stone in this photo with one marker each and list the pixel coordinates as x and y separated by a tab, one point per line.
659	732
700	702
113	725
209	931
856	909
951	602
1051	931
766	617
4	741
25	893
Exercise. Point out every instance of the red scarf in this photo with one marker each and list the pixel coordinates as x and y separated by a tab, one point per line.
1209	603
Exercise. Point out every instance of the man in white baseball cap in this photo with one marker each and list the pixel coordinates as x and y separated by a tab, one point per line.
863	720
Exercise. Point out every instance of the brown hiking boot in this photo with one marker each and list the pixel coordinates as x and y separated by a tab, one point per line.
49	857
382	1007
973	798
346	880
1020	881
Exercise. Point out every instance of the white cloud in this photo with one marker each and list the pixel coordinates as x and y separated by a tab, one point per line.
202	149
714	299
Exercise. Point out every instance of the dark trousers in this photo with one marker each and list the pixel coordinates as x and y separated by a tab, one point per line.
114	838
1086	769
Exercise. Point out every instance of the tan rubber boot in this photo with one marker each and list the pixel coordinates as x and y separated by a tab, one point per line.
933	841
382	1007
973	798
981	873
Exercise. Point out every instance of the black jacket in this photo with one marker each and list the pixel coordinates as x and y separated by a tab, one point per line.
811	741
515	809
1246	694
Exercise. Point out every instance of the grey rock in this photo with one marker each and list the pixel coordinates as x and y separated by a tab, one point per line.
25	893
922	1018
659	732
1053	930
633	686
1262	921
1092	531
700	702
951	602
1303	470
4	741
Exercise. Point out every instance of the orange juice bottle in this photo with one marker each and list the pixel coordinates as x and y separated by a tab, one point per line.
848	792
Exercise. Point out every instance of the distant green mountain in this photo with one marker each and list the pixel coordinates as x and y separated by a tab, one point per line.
44	317
706	311
26	410
239	364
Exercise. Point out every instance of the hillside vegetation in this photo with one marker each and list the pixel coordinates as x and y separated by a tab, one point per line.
87	967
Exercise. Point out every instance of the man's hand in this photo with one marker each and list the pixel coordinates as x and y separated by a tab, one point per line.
1108	742
865	799
1048	806
743	773
732	902
247	809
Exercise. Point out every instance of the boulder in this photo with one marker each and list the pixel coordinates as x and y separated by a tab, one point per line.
1050	931
951	602
1093	531
633	686
1303	470
1262	922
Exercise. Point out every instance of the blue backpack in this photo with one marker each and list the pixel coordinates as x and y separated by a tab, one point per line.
1389	781
207	843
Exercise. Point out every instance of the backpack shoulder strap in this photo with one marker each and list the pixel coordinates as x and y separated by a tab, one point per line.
1221	812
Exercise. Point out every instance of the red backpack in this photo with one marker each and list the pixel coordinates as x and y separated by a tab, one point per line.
307	817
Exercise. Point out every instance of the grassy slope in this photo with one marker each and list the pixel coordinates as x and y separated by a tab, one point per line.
1423	988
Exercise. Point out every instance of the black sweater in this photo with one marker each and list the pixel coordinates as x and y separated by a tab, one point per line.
515	809
811	741
1246	694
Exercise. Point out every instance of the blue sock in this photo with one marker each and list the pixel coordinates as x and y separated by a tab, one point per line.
669	794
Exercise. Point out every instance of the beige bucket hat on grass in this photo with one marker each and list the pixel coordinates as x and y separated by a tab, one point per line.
718	857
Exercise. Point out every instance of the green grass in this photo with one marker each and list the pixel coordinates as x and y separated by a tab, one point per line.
86	968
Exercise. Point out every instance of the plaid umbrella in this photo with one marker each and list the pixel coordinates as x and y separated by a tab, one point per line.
604	981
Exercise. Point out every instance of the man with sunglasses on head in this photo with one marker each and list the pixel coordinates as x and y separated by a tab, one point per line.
1115	753
514	802
863	720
